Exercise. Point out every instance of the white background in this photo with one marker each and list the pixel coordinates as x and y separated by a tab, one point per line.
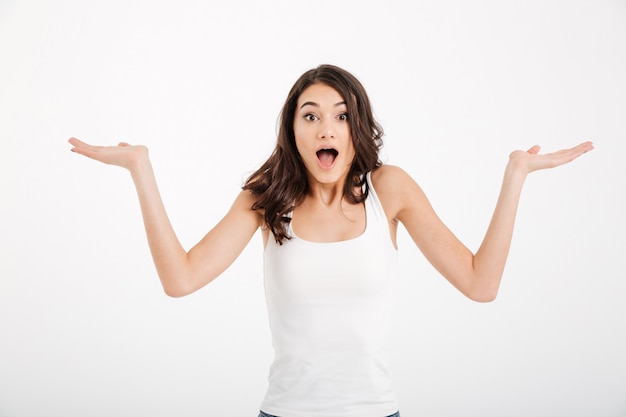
85	329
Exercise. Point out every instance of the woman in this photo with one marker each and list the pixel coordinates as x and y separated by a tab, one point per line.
328	210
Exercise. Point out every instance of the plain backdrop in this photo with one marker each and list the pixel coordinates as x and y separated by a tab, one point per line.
85	329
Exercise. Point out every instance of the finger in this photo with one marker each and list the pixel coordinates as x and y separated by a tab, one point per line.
534	150
581	148
79	144
568	155
85	151
123	144
75	142
578	150
83	148
586	146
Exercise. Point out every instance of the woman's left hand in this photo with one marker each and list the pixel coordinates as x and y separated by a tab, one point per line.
531	160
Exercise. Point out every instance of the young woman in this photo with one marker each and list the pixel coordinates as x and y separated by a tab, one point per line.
328	210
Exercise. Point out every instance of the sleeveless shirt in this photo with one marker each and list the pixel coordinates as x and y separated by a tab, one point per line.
329	307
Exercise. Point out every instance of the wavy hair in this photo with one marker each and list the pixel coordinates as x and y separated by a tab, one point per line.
281	183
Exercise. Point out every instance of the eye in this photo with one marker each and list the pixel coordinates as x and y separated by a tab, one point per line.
310	117
343	117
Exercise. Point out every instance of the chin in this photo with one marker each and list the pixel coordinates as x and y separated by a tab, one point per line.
332	176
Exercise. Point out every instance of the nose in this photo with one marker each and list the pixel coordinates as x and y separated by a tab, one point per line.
327	130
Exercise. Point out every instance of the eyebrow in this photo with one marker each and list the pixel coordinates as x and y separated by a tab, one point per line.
314	104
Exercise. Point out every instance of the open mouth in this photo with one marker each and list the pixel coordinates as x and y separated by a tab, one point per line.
327	157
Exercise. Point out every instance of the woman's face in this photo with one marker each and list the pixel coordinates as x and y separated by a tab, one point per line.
322	133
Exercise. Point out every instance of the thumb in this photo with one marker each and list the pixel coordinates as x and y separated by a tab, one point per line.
534	150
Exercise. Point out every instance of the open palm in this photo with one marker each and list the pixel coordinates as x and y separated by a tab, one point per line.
123	155
531	160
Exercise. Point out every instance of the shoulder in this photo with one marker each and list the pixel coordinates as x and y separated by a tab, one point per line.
390	178
387	175
243	206
396	189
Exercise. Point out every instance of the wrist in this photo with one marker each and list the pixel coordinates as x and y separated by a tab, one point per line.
518	164
140	165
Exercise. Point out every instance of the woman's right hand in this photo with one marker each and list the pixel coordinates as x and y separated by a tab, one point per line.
123	155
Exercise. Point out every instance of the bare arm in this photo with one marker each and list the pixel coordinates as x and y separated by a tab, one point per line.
475	275
180	272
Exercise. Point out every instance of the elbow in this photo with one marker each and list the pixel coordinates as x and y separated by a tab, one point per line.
175	292
483	288
482	295
176	289
181	285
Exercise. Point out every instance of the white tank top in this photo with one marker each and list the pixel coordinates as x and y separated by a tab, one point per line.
329	307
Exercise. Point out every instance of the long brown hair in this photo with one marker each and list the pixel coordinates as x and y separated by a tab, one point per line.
281	183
